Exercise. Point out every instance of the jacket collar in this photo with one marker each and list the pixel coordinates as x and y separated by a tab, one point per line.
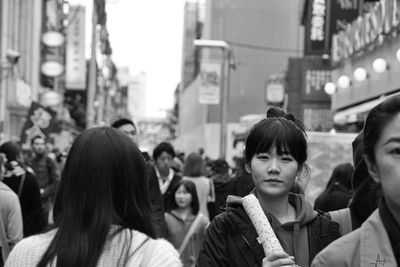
375	247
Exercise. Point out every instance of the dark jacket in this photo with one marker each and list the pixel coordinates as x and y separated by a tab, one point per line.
31	208
221	186
231	239
159	201
47	175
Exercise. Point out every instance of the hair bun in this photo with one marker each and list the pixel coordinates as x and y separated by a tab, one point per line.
275	112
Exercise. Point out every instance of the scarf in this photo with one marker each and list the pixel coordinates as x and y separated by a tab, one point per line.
392	228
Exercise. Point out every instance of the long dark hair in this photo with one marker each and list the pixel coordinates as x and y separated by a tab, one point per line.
194	165
103	184
191	188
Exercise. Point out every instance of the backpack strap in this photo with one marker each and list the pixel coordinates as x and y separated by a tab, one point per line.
189	234
343	218
21	185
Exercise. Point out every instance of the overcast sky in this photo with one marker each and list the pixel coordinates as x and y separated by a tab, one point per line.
146	36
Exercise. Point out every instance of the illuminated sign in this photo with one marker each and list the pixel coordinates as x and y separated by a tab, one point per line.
366	30
317	28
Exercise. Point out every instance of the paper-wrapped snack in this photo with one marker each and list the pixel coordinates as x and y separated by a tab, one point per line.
266	235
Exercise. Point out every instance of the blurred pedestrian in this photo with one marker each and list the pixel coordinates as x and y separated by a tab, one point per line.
275	157
193	170
22	181
163	155
46	172
185	223
10	218
338	191
102	210
221	179
129	128
377	241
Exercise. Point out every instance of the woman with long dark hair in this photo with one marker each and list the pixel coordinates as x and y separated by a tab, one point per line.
186	225
102	212
377	241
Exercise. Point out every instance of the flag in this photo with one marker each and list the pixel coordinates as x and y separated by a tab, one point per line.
40	121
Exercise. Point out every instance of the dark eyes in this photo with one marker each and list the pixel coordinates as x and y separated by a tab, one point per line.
282	157
395	151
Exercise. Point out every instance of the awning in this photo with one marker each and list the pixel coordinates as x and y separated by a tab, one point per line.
351	115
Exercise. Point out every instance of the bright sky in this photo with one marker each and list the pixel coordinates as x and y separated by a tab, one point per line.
147	36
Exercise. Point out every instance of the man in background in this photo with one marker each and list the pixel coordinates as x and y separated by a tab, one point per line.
47	173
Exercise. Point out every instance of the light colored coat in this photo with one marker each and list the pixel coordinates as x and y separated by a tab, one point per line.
11	229
367	246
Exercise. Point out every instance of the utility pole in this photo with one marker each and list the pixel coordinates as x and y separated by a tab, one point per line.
91	90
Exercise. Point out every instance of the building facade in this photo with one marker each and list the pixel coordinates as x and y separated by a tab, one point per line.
257	51
366	61
20	46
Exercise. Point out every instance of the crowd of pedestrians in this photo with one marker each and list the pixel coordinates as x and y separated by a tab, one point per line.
114	205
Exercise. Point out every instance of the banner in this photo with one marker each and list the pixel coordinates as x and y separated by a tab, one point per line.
75	75
40	121
210	83
325	18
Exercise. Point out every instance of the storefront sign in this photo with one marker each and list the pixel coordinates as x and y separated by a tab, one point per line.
75	75
210	83
365	30
317	30
315	81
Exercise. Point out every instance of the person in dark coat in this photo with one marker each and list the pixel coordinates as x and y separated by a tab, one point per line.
338	191
221	179
162	172
22	181
128	127
275	157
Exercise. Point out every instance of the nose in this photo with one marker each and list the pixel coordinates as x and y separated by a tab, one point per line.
273	168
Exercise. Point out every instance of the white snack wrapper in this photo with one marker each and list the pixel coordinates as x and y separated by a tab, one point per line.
266	235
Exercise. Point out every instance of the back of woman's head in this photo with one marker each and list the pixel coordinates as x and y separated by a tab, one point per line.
191	188
377	119
103	183
194	165
279	130
341	175
11	150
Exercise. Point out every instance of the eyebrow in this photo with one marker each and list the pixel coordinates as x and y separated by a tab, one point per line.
392	139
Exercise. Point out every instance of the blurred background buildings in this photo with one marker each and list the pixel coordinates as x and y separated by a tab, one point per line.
326	61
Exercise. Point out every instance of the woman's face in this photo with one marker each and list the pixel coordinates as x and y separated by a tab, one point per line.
386	168
273	174
182	197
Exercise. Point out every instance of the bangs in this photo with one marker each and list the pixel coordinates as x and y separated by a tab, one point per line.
278	133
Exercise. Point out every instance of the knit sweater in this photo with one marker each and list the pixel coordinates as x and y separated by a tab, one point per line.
29	251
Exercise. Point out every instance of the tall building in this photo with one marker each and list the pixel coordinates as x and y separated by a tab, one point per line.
262	35
135	90
20	46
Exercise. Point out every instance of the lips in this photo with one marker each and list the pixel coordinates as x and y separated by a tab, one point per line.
273	181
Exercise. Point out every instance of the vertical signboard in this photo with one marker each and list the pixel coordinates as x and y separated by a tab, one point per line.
75	76
325	18
317	28
210	83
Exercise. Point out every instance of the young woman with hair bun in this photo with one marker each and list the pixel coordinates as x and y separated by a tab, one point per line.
275	156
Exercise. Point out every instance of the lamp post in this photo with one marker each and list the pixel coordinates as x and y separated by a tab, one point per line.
225	84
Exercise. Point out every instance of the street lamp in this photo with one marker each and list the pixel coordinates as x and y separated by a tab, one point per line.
225	84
